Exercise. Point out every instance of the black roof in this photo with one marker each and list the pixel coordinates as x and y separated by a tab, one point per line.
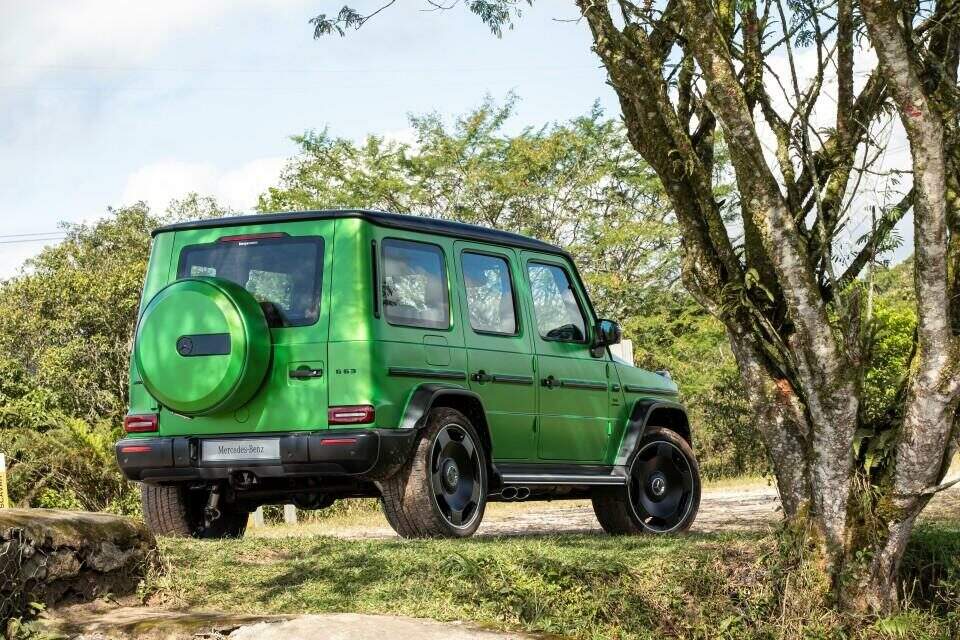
382	219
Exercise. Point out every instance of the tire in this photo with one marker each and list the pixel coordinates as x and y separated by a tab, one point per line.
446	471
178	512
663	462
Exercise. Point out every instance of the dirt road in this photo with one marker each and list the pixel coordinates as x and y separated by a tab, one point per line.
721	509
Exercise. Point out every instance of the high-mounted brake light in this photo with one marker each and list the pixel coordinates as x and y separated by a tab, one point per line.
253	236
140	424
352	414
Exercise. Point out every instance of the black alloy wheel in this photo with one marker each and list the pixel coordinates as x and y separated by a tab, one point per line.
441	491
456	474
662	485
662	494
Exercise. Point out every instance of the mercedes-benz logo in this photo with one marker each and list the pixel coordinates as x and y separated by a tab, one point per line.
451	475
658	485
184	346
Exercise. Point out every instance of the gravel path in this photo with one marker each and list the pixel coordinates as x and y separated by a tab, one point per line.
721	509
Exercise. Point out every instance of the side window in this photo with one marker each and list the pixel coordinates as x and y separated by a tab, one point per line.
555	305
414	285
489	294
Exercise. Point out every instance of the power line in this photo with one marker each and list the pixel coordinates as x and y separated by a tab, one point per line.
53	239
36	233
390	70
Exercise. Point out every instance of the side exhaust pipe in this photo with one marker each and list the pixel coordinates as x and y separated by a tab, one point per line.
514	493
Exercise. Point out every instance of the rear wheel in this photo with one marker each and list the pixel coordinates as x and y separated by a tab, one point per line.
663	490
182	512
441	491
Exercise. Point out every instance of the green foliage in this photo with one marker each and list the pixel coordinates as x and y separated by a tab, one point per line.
578	184
892	324
66	325
66	321
496	14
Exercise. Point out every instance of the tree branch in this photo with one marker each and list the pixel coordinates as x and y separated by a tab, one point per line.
884	227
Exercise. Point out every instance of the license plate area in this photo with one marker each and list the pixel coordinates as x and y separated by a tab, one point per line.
240	450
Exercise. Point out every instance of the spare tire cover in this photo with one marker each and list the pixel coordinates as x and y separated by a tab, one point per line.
202	346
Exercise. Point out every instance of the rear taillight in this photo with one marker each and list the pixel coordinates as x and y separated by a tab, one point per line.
353	414
136	448
140	424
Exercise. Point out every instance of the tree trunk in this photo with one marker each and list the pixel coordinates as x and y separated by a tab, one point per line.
781	422
922	451
794	336
797	348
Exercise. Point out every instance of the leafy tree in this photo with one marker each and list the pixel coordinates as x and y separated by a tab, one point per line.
777	278
66	327
578	184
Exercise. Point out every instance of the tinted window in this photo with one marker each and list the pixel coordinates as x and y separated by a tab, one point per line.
555	304
415	285
282	274
489	294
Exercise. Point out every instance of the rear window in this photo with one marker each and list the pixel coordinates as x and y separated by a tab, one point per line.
283	274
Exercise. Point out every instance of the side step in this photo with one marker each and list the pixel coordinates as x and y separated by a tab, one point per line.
556	475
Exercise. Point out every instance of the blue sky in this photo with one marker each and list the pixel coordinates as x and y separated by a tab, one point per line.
105	103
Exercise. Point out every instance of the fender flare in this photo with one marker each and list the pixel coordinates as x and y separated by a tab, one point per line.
637	425
422	399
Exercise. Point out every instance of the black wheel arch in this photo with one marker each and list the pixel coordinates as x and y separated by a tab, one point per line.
648	413
430	395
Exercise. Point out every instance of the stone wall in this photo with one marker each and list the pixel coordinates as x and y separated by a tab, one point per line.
51	556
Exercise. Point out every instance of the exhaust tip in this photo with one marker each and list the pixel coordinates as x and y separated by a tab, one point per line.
523	493
508	493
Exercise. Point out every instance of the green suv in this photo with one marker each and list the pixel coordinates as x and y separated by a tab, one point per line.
314	356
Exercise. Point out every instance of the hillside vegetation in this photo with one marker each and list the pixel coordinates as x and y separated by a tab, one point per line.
66	321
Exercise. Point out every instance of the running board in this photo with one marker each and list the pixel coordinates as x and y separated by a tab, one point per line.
609	476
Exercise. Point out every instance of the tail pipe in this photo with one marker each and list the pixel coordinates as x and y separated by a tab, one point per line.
514	493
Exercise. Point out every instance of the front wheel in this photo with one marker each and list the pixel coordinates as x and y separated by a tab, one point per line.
181	512
662	493
441	491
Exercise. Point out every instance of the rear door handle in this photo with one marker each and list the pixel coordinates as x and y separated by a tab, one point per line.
548	382
481	376
305	373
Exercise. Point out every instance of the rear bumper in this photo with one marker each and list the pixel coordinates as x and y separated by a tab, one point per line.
359	453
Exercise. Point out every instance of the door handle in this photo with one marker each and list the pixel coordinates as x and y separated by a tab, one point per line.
306	373
549	382
481	376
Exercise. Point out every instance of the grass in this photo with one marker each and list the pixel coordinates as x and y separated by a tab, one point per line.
580	586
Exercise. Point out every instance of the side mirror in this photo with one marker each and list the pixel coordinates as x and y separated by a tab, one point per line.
608	333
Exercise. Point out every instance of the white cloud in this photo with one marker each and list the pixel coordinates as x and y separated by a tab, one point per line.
236	187
46	35
406	135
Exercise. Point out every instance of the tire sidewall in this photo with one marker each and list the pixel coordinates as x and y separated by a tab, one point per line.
675	439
